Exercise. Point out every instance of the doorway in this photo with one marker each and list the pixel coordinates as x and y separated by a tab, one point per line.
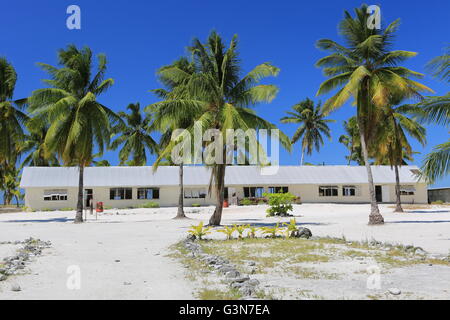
378	193
88	195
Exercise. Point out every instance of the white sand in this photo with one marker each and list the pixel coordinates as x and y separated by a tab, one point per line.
139	238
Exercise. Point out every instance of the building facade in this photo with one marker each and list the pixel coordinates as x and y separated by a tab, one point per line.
126	187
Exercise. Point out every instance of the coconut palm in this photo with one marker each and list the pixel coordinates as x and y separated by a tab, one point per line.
134	134
219	99
366	70
351	141
34	147
78	122
437	110
11	126
392	145
312	126
166	123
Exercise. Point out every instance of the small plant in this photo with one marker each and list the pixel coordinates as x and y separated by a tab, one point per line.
272	231
66	209
439	202
280	204
199	231
150	204
291	228
246	202
252	231
228	231
196	205
240	230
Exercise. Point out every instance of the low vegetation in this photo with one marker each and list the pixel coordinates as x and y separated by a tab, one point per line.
294	262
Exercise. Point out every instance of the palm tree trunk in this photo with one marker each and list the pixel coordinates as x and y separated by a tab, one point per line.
303	155
375	217
398	203
79	214
219	189
180	212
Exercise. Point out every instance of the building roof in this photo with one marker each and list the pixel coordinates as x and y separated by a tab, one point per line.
53	177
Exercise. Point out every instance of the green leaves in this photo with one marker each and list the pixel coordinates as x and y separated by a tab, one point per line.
77	121
437	163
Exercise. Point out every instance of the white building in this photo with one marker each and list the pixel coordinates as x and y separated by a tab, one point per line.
122	187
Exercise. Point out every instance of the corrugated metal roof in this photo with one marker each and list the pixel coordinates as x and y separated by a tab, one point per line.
200	176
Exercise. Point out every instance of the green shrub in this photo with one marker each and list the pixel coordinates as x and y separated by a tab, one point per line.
438	202
150	204
246	202
272	232
199	231
67	209
280	204
240	230
228	231
291	228
196	205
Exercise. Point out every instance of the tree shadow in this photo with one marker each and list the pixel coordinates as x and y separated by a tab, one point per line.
430	211
254	222
41	220
419	221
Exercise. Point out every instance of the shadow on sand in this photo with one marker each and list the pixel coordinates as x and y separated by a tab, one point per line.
41	220
419	221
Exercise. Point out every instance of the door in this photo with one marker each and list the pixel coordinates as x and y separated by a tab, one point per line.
88	195
379	193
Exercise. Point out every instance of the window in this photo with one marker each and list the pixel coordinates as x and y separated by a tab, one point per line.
328	191
120	194
190	193
253	192
278	189
55	195
349	191
148	193
407	190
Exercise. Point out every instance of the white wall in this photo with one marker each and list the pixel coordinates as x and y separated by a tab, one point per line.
169	196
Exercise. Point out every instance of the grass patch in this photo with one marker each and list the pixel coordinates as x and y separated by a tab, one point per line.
217	294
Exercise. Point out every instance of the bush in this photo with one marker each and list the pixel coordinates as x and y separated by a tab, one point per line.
246	202
196	205
67	209
280	204
150	204
438	202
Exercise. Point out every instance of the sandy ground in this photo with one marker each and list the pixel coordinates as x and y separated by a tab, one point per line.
122	256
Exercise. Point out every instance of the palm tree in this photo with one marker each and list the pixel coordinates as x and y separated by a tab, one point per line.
219	99
11	126
34	147
78	122
101	163
313	125
437	110
134	135
165	121
367	71
392	145
351	141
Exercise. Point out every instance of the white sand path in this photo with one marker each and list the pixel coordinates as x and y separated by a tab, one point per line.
140	238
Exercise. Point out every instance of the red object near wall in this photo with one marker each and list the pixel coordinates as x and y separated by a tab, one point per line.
225	203
99	207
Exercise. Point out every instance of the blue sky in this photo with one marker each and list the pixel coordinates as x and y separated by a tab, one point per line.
140	36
